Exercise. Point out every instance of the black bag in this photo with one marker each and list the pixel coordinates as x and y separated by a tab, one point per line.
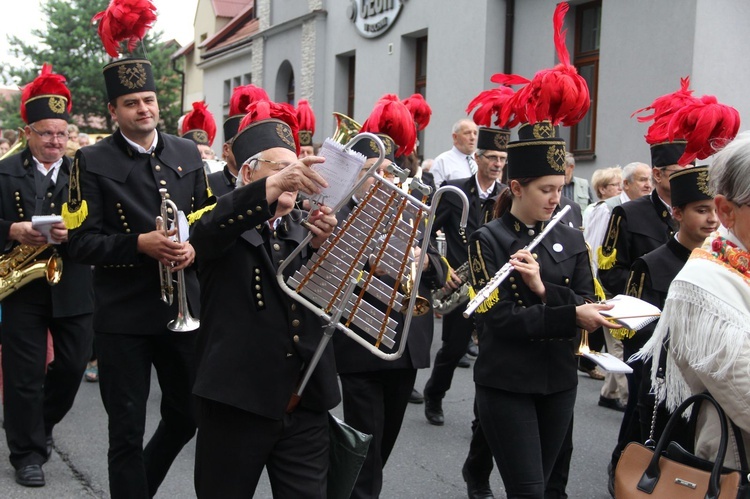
348	449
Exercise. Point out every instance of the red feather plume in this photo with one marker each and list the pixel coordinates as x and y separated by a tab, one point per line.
265	109
419	109
706	124
47	83
664	108
560	94
498	102
200	118
391	117
243	96
124	20
305	116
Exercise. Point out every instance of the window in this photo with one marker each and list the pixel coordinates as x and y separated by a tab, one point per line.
227	92
420	83
586	60
290	90
350	86
247	79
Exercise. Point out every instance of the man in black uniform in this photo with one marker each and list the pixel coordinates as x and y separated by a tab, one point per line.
253	330
651	225
225	180
35	182
115	201
376	392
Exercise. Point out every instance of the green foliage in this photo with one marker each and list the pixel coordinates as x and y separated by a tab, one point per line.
71	44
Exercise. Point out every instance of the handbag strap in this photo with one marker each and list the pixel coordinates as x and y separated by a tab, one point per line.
650	477
740	448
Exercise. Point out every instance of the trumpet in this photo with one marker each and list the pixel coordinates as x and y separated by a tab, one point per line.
184	322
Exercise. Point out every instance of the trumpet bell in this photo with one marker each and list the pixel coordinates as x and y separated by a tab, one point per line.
421	306
346	128
183	324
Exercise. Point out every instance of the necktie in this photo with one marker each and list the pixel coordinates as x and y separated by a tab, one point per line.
472	164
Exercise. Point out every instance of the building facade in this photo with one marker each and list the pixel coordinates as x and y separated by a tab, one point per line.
343	55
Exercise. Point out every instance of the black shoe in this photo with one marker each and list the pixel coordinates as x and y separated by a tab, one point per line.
50	446
476	489
464	362
473	349
611	479
611	404
433	411
415	397
30	476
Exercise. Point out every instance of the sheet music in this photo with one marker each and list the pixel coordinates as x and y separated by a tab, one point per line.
44	223
608	362
340	170
631	312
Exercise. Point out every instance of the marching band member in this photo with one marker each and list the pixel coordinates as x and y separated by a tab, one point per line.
253	330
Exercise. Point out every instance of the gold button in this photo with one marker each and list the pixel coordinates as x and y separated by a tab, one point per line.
52	205
163	182
157	168
167	196
535	255
520	302
122	217
513	286
257	287
295	323
295	338
276	246
169	210
49	194
260	303
259	227
512	279
294	307
222	226
119	211
531	232
249	212
288	355
257	278
516	295
124	224
259	296
118	205
240	217
153	154
567	281
127	231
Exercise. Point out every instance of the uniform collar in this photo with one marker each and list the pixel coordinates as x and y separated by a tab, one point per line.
519	227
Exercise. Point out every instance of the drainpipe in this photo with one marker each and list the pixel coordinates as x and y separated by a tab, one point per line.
182	84
510	12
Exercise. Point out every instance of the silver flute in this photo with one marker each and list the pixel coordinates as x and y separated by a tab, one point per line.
506	269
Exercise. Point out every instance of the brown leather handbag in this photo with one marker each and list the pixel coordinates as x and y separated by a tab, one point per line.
667	472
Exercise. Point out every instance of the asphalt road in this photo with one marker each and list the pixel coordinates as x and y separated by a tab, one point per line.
426	462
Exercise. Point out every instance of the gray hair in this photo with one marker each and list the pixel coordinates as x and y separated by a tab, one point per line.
570	159
629	170
457	125
729	174
246	164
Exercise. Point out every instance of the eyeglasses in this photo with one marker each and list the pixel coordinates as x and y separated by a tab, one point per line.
281	164
495	159
49	136
615	184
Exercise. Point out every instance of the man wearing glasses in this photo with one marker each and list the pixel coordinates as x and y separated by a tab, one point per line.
32	183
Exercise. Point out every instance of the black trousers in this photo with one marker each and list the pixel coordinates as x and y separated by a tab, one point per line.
478	464
456	335
124	380
375	403
630	427
36	401
526	433
233	446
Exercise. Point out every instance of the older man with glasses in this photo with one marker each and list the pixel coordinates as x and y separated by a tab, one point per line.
32	183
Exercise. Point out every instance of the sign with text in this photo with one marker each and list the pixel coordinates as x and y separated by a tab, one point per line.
374	17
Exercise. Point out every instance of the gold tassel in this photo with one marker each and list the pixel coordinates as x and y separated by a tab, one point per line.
490	302
606	262
196	215
448	274
599	290
622	333
74	219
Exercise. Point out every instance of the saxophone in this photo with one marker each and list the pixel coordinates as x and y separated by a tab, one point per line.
25	263
445	300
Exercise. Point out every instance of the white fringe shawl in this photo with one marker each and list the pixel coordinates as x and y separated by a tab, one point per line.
707	316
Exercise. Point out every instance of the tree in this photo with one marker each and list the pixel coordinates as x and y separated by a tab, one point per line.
71	44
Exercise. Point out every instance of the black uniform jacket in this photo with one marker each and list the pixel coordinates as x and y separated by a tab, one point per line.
353	358
73	295
254	339
649	280
221	182
574	218
528	346
448	216
121	188
635	228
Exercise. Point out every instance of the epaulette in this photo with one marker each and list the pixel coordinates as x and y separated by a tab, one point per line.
196	215
75	210
607	252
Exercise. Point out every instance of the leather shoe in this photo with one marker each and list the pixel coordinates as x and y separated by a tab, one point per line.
30	476
594	372
415	397
433	411
473	349
464	362
611	403
476	489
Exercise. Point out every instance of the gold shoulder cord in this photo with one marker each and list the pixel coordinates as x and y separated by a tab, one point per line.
75	210
607	252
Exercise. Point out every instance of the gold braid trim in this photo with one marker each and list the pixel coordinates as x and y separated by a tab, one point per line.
75	210
606	262
447	274
74	219
196	215
622	333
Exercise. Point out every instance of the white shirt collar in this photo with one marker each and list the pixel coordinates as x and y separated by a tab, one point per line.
44	171
140	149
482	193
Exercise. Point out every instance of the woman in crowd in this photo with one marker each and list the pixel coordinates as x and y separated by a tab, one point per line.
707	315
526	374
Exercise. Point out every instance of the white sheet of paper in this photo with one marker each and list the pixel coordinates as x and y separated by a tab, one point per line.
44	223
340	170
183	226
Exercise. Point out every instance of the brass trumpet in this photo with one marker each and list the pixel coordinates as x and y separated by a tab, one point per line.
184	322
346	128
422	304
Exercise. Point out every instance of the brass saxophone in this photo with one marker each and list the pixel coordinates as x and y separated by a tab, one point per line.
25	263
446	300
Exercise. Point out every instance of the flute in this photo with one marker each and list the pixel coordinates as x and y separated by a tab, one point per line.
506	269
